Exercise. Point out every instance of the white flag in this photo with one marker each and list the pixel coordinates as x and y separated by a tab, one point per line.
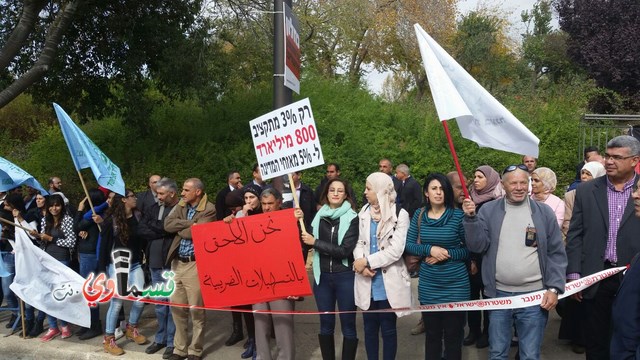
480	117
47	284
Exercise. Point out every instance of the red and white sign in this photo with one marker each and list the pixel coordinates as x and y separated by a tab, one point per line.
253	259
292	50
286	140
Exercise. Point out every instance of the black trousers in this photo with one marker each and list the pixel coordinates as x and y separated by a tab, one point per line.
449	325
598	319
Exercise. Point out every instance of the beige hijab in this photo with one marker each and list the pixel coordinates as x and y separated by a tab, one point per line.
383	213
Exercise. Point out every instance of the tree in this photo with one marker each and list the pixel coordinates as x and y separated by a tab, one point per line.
604	39
111	54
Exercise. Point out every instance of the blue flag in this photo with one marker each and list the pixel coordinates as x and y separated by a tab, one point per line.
12	176
86	154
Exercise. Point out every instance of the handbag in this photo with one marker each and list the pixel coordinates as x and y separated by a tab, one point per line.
413	261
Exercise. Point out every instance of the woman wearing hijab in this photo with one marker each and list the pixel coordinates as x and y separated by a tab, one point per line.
381	280
333	237
589	171
486	187
543	183
443	273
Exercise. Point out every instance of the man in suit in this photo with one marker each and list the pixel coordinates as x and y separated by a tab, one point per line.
149	197
625	313
603	234
410	191
233	182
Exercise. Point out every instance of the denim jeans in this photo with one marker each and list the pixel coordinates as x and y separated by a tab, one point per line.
383	323
166	326
336	287
136	277
530	323
10	265
88	263
53	322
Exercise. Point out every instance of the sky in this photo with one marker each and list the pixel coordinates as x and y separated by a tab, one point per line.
512	7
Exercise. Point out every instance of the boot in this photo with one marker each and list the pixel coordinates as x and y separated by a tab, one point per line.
237	335
29	326
93	331
37	329
327	347
250	350
111	347
133	334
349	348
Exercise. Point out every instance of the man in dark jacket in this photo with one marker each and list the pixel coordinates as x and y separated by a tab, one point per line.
151	229
148	198
410	192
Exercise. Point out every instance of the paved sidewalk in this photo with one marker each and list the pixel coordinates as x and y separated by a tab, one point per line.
219	327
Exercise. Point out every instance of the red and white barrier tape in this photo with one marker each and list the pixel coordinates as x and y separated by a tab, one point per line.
511	302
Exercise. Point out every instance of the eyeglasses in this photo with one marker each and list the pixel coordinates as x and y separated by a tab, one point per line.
617	157
511	168
131	196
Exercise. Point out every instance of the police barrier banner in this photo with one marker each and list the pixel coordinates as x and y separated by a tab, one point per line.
286	140
253	259
513	302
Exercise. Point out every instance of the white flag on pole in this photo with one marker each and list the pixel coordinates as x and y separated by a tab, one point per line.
47	284
480	117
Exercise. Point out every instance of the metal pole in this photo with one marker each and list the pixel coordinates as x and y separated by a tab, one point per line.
281	94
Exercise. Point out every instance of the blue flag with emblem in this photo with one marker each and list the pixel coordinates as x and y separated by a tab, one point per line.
86	154
12	176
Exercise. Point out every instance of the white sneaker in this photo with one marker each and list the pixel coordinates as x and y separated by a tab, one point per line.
118	333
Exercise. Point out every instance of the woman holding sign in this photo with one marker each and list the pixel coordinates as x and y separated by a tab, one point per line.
381	280
333	236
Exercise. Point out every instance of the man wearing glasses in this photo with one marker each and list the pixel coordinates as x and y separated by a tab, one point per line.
603	234
522	252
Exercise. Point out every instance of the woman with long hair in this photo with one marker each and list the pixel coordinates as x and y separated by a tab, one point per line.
57	239
334	235
381	280
119	233
443	273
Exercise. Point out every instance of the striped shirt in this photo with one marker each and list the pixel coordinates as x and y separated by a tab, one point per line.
617	201
445	281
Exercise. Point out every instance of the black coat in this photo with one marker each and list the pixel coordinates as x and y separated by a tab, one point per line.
158	240
331	254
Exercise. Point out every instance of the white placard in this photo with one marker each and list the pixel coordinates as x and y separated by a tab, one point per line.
286	140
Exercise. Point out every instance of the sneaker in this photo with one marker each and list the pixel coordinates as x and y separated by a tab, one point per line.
118	334
65	331
418	329
111	347
50	334
133	334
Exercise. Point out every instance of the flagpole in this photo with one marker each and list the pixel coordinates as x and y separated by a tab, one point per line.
86	192
455	159
296	202
24	328
14	224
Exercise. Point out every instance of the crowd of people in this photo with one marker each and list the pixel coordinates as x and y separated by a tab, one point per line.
510	236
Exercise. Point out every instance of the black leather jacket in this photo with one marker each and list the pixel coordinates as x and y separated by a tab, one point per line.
331	254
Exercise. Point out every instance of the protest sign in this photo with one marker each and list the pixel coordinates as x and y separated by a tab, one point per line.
286	140
253	259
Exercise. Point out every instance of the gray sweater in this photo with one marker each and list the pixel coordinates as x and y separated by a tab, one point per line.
483	232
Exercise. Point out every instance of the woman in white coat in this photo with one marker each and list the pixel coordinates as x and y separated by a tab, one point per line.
382	280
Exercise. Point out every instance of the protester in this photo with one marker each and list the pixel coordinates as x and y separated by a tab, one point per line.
151	229
57	239
486	187
193	208
13	207
271	200
603	234
334	234
88	233
409	191
149	197
250	205
443	273
513	267
382	280
543	184
119	232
